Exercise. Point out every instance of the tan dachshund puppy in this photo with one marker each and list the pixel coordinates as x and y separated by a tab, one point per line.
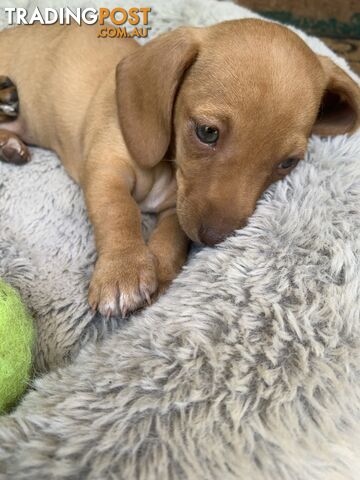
194	126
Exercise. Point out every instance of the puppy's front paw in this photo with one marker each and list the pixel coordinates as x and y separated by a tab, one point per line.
123	283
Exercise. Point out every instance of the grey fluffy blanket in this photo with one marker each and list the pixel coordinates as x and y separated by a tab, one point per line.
248	368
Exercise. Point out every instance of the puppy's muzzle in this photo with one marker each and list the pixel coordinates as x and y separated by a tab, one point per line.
213	233
211	236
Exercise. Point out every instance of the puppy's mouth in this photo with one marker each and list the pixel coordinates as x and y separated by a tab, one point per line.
208	226
212	236
203	233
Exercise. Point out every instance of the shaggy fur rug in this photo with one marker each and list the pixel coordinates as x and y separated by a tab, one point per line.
248	368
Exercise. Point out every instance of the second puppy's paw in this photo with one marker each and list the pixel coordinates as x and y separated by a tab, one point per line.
123	282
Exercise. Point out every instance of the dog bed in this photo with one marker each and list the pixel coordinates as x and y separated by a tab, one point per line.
247	368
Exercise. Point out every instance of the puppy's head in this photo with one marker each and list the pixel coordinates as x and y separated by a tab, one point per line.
234	105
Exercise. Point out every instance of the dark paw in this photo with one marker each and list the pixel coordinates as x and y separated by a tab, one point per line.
9	100
12	149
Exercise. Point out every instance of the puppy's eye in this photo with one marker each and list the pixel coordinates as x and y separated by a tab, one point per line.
287	164
207	134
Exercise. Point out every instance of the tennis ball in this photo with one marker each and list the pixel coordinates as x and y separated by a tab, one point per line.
16	343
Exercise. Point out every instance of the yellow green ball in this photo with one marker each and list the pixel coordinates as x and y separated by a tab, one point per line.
16	345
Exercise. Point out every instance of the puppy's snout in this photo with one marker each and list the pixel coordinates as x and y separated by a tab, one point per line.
216	232
210	235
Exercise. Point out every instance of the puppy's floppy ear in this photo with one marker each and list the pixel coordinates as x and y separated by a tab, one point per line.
340	106
146	86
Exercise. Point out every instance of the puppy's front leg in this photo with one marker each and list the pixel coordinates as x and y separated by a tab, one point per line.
125	275
169	244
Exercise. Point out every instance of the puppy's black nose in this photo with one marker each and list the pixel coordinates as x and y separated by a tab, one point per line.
210	235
